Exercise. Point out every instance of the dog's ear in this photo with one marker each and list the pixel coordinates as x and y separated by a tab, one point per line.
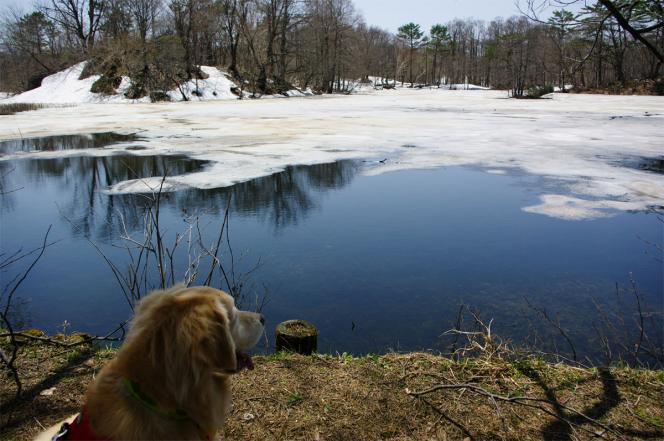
221	346
205	335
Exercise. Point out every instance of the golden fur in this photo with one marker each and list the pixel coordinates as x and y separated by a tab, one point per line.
181	350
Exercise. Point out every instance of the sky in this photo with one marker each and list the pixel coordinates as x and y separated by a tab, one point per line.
390	14
23	5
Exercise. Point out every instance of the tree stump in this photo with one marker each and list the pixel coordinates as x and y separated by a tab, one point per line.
296	336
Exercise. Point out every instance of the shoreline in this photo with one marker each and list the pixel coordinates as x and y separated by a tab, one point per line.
395	396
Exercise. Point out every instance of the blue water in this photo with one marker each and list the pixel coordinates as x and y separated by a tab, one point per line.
377	263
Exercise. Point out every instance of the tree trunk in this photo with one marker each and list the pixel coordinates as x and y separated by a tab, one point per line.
296	336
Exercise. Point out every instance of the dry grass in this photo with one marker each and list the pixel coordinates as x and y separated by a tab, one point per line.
635	87
10	109
344	398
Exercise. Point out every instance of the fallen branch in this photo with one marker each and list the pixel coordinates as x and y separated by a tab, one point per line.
520	399
443	415
63	344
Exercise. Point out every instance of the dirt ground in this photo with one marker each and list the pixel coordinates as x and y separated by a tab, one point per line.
414	396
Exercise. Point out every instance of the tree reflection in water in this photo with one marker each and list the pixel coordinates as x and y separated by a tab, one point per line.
64	142
282	198
81	180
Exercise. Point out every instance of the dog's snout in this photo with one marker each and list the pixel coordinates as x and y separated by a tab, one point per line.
251	328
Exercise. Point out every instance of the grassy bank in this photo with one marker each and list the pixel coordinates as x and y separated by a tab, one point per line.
395	396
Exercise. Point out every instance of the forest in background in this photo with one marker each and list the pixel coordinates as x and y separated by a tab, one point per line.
269	46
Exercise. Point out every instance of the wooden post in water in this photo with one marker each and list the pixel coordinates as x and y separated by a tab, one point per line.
296	336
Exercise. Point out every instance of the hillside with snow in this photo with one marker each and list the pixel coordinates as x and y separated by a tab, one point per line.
66	87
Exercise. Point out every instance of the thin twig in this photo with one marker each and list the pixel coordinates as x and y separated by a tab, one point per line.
521	399
9	361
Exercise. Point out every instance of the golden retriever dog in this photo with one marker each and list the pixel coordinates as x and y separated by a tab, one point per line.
170	380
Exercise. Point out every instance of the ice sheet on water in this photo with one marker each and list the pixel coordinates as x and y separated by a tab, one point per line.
576	140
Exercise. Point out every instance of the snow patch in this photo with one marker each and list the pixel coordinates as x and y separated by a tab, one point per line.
60	88
567	87
377	84
65	88
573	208
216	86
462	86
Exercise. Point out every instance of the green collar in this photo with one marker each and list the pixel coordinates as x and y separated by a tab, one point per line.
135	392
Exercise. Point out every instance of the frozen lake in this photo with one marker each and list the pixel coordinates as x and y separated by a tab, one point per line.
580	140
488	201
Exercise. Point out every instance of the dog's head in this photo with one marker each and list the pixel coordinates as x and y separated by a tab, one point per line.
190	334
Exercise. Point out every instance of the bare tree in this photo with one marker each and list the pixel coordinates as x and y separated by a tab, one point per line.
231	25
270	46
81	19
145	13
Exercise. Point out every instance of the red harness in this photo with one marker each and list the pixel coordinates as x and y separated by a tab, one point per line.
77	430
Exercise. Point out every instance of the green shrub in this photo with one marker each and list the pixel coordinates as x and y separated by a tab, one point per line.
159	96
106	85
280	85
91	68
35	81
539	91
136	91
